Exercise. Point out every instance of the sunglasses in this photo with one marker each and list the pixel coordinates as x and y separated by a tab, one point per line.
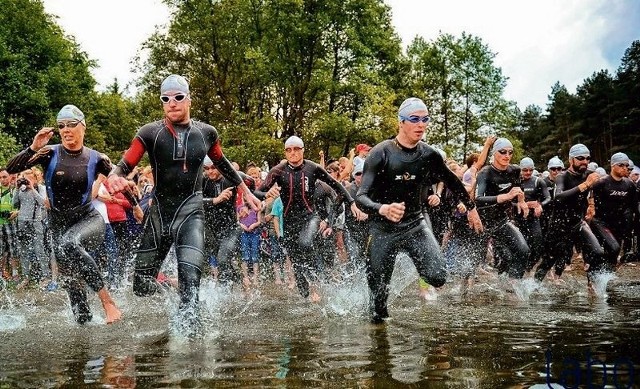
292	149
624	165
207	167
582	158
506	152
358	174
526	170
555	169
416	119
167	99
62	125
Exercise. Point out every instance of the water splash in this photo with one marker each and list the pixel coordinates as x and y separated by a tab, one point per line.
525	288
348	295
600	281
12	322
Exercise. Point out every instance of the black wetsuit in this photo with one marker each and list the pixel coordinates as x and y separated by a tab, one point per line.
395	174
535	189
221	222
567	227
176	215
510	246
298	185
75	226
616	204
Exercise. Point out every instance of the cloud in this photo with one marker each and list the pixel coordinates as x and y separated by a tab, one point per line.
537	43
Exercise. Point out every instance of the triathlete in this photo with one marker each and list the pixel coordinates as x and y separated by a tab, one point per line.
396	173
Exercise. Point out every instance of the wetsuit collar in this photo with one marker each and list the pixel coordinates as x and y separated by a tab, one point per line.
402	147
296	167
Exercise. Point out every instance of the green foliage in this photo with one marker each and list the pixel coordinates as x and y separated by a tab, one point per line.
41	70
8	148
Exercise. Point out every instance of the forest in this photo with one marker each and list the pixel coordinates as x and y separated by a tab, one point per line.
330	72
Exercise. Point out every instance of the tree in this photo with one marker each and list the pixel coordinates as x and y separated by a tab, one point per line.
41	70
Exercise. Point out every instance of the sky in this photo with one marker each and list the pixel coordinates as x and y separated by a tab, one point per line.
537	42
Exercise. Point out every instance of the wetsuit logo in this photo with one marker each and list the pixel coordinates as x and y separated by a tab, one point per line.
618	193
504	186
406	177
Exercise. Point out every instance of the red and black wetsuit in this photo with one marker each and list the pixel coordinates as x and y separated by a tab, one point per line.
176	215
509	243
297	186
76	227
393	174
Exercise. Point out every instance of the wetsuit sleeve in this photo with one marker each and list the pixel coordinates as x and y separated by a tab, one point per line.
482	199
546	196
372	165
131	158
223	165
22	161
563	195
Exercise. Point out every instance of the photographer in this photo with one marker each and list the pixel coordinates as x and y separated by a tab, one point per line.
29	199
7	228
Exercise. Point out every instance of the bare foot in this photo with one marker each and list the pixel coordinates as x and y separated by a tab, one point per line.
278	281
314	297
112	313
246	282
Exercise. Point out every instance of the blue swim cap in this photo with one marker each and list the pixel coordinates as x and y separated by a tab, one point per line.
174	83
578	150
555	162
411	105
619	158
526	163
501	143
72	112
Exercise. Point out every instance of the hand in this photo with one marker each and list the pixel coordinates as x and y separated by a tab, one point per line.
41	138
433	200
118	184
592	179
515	192
274	191
393	211
488	142
357	213
537	210
252	200
225	195
523	209
474	220
591	212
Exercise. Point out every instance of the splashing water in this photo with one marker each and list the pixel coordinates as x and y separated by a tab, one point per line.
600	281
349	297
11	322
525	288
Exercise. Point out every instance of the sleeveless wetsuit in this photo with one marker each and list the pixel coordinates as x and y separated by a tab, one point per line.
76	227
393	174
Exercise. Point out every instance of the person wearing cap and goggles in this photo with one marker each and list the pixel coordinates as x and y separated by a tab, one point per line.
294	180
498	195
396	172
76	227
567	226
616	204
536	195
177	147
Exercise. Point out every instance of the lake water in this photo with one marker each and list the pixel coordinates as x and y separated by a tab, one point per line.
270	337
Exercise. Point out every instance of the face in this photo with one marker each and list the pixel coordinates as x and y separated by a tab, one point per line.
412	133
211	172
176	106
255	174
455	168
502	157
294	155
580	163
526	173
634	176
620	170
553	172
5	178
71	134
